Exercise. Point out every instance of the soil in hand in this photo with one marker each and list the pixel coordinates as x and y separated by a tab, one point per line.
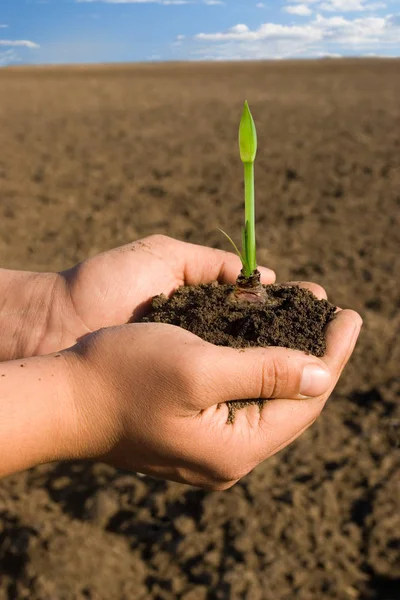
292	317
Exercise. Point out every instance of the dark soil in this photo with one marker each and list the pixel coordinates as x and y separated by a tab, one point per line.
94	158
290	317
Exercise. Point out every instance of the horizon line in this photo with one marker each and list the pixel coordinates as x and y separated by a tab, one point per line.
145	63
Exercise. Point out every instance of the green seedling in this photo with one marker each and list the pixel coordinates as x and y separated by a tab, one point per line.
248	284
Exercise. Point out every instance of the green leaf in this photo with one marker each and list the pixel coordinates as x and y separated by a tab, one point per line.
247	136
233	244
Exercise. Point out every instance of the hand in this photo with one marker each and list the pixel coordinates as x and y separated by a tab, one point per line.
43	313
150	397
117	286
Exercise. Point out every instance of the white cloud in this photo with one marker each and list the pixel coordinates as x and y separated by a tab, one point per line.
394	20
298	9
362	31
268	31
260	5
341	5
239	28
179	40
213	2
349	5
8	57
320	54
19	43
321	36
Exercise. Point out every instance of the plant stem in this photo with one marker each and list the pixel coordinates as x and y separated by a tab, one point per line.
250	251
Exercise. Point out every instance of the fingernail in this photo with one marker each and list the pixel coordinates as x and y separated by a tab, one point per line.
314	381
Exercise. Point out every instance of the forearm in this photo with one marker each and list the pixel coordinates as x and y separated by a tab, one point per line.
26	311
36	412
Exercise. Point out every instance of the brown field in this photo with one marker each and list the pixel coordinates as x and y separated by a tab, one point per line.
91	158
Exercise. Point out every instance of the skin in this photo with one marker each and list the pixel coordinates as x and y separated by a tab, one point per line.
148	397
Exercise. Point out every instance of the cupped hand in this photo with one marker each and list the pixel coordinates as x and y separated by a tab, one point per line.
151	397
117	286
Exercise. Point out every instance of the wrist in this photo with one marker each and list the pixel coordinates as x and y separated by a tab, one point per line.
25	311
37	315
94	424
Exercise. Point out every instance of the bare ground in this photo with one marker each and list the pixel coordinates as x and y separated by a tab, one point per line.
93	158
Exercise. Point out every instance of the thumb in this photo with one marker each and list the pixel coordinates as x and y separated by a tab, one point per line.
274	372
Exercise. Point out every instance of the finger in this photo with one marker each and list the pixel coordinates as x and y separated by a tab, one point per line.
283	420
341	337
283	373
195	264
316	289
267	275
232	374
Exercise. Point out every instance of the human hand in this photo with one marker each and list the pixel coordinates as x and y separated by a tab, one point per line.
150	398
117	286
43	313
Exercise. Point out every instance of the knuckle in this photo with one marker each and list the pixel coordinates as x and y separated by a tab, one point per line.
188	374
190	378
196	377
319	291
275	377
157	239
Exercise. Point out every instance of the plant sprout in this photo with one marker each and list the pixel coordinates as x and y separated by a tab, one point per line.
248	283
248	150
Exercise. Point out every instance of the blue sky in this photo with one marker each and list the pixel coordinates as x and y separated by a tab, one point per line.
91	31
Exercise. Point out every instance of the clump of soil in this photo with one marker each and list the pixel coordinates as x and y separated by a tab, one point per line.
292	317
